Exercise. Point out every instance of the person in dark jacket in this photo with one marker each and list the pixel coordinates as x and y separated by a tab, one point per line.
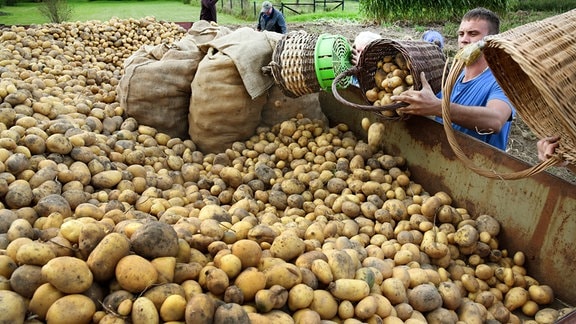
271	19
208	11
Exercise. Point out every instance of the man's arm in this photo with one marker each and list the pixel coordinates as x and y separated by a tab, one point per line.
425	103
282	23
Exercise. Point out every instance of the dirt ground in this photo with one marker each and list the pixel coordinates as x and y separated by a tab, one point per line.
522	143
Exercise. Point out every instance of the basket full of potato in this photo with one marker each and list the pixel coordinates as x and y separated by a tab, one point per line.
389	67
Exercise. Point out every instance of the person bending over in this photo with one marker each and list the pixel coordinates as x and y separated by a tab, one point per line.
271	19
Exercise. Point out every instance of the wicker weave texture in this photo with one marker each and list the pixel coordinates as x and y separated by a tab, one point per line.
293	64
535	64
421	56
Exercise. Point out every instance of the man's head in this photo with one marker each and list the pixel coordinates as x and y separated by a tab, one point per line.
476	24
266	6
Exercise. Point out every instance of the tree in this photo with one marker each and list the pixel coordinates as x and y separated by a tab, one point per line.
56	11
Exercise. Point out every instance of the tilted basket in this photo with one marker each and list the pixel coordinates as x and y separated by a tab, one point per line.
535	64
293	64
305	63
421	56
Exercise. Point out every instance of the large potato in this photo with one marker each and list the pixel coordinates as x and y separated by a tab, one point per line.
12	307
43	298
68	274
74	308
103	259
155	239
135	274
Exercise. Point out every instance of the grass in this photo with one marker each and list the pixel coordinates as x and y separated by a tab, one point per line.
26	13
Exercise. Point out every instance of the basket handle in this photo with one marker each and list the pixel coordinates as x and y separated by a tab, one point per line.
353	71
448	84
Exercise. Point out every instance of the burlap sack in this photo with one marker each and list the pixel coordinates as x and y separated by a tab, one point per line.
279	107
221	110
229	89
155	87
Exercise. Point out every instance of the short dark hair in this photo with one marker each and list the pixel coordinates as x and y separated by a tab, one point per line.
487	15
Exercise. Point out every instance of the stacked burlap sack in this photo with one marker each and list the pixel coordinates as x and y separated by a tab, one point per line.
211	86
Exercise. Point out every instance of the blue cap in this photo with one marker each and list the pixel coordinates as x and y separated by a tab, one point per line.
435	37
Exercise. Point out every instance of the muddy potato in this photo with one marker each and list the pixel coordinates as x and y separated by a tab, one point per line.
12	307
68	274
43	298
26	279
286	275
74	308
273	298
200	309
250	281
144	311
35	253
104	257
300	296
158	294
425	298
287	246
249	252
515	298
324	304
155	239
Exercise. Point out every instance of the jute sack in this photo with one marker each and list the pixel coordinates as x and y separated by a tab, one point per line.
229	89
155	87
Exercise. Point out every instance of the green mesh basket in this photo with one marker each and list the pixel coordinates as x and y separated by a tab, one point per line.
332	57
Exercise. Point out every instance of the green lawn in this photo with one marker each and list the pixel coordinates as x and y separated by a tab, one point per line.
26	13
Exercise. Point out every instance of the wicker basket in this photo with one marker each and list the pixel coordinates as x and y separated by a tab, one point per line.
535	64
421	56
293	64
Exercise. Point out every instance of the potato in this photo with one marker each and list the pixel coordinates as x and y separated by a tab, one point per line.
286	275
173	308
273	298
366	308
74	308
200	309
68	274
287	246
341	264
541	294
466	236
515	298
155	239
324	304
546	316
35	253
166	267
26	279
43	298
134	273
450	293
349	289
103	259
158	294
144	311
250	281
90	235
300	296
231	313
304	316
249	252
12	307
425	298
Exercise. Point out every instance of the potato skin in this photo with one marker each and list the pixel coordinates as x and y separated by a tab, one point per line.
12	307
144	311
200	309
349	289
74	308
68	274
43	298
134	273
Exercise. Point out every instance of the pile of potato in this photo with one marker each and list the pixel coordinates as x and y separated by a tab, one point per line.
104	220
392	77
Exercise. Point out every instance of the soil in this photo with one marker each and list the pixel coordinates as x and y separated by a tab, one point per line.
522	142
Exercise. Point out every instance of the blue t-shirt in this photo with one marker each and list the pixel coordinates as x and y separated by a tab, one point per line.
477	92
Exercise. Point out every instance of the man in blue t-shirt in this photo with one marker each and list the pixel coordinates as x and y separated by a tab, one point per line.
478	106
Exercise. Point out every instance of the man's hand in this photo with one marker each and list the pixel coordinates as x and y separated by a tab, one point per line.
420	102
546	147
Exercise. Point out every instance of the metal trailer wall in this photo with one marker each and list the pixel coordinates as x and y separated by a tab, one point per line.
537	214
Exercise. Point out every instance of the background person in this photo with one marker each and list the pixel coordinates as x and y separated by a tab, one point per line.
271	19
478	106
208	11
